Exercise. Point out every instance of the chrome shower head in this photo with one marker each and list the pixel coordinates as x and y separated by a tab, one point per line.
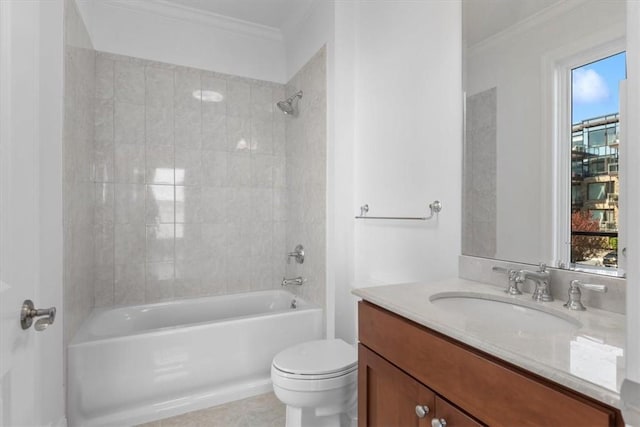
288	106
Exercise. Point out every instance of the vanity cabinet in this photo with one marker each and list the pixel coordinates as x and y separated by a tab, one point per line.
403	365
394	398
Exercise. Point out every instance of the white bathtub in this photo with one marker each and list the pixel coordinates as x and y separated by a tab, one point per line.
137	364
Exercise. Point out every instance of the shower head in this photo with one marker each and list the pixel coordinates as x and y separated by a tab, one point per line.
288	106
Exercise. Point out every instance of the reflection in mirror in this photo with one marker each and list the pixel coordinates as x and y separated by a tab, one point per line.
595	160
530	194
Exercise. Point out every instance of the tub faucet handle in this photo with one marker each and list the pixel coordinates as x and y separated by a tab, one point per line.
297	254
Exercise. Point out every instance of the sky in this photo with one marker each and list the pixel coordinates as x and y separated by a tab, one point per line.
595	87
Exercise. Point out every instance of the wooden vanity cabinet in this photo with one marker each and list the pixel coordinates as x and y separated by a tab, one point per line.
403	365
393	397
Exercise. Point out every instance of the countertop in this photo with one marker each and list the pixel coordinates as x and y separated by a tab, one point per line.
588	358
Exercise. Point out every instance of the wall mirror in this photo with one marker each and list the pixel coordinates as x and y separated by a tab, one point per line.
544	132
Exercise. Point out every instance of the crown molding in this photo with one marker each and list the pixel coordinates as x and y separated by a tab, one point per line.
524	25
197	16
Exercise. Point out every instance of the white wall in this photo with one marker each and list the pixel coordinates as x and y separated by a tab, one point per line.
341	169
512	61
51	367
394	118
50	377
408	141
305	35
633	191
177	35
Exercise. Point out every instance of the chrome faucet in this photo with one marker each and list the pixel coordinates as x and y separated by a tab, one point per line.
297	254
542	278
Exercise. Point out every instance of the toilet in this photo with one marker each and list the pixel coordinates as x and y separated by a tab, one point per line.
317	380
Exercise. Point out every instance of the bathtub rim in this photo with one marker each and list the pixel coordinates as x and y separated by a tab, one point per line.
83	337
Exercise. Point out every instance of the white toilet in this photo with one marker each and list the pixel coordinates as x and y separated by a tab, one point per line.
317	380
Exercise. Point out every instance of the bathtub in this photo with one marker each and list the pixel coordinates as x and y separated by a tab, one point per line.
135	364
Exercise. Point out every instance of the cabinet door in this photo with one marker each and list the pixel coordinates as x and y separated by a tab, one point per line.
452	416
388	397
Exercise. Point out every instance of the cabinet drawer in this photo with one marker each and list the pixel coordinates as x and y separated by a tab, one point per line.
493	392
452	415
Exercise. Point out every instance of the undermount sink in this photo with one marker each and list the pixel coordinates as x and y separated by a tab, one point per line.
503	313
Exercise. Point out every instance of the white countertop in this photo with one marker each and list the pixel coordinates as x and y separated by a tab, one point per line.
588	359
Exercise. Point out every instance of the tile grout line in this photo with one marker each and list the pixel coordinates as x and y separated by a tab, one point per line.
113	148
173	117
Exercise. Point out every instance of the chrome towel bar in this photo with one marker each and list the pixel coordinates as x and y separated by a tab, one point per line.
434	207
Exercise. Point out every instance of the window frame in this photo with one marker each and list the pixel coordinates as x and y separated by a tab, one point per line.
557	67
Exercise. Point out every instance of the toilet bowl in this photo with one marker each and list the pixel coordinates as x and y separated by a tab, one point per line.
317	381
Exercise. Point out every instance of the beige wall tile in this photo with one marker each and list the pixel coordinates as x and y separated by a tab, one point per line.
213	175
129	82
129	284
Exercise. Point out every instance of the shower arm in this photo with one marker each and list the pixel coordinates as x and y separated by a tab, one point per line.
294	96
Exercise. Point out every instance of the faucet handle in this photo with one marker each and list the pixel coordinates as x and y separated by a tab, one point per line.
297	254
574	302
589	286
514	279
542	267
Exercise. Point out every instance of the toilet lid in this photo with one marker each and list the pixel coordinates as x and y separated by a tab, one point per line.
317	358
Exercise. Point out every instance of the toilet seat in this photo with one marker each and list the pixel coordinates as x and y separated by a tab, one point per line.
316	360
308	377
317	381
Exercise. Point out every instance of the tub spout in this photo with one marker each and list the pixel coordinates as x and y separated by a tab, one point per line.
295	281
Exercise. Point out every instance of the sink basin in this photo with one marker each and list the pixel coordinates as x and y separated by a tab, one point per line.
507	314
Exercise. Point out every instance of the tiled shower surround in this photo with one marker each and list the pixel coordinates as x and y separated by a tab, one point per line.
479	201
78	202
191	182
306	155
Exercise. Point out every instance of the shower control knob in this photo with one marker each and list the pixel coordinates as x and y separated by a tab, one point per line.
422	411
438	422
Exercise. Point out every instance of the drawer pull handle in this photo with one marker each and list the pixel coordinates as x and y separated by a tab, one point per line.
438	422
422	411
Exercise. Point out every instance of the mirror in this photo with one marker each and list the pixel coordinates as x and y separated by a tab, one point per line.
541	177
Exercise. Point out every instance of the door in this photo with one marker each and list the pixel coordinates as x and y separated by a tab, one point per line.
31	368
389	397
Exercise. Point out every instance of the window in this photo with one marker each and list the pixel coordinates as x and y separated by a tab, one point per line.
606	218
597	191
578	141
576	194
593	138
597	138
600	190
597	167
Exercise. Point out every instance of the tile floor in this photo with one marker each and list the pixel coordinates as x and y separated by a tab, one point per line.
264	410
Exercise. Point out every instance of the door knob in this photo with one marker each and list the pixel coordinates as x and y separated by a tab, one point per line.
438	422
28	312
422	411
